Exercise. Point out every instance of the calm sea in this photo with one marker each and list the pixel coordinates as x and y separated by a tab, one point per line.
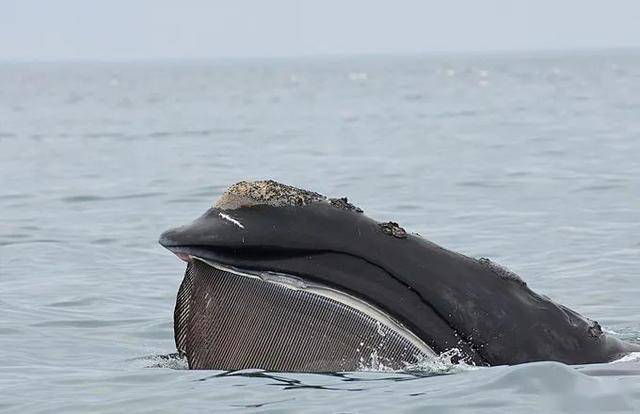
530	160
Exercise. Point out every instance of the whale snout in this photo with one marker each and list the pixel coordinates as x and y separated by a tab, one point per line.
169	238
171	241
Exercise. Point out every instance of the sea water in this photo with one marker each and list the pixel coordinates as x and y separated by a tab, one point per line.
532	160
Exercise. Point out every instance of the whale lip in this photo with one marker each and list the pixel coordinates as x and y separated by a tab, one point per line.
294	282
319	328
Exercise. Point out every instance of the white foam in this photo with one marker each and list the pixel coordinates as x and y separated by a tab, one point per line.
430	364
632	357
165	361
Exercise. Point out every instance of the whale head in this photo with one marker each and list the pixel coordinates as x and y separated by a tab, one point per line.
285	279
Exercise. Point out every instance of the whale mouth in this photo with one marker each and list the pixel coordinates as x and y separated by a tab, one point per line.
229	318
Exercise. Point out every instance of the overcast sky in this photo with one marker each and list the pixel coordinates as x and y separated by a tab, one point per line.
151	29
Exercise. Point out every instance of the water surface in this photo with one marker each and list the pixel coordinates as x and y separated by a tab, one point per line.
530	160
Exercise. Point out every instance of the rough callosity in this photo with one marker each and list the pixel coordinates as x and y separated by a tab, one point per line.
595	330
251	193
273	193
344	203
393	229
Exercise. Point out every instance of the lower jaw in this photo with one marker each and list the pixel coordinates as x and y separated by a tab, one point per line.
231	319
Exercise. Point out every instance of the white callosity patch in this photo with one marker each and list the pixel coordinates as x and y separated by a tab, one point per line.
231	220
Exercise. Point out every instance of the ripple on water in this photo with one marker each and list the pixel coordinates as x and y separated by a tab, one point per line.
88	323
84	198
81	198
93	184
82	301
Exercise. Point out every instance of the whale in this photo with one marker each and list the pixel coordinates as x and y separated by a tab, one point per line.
285	279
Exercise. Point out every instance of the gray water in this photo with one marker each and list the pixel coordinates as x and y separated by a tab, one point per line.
530	160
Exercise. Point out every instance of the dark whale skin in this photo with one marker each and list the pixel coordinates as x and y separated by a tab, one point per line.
447	299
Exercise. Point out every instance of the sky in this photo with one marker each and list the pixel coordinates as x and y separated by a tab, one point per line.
199	29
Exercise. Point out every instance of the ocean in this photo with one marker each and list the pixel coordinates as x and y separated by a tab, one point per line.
532	160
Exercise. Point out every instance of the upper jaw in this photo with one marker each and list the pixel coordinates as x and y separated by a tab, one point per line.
167	240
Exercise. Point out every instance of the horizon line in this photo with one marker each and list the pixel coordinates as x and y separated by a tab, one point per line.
319	56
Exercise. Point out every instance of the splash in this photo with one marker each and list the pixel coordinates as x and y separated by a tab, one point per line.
170	361
373	364
632	357
425	364
441	364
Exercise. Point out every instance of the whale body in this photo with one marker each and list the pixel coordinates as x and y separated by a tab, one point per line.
285	279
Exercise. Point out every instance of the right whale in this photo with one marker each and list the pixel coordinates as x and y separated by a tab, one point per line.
285	279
